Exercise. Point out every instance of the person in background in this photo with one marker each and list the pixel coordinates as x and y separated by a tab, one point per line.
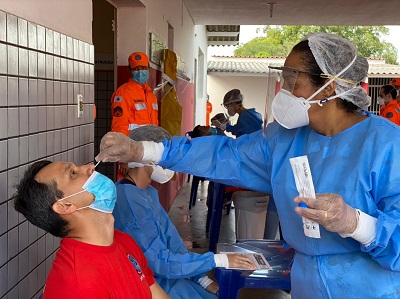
390	107
249	120
321	113
138	212
133	104
94	260
396	83
208	110
199	130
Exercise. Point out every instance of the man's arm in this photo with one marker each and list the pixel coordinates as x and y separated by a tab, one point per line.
157	292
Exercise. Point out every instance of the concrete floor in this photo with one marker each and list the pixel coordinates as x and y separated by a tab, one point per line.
191	226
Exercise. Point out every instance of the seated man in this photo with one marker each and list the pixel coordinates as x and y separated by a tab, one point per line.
139	213
199	130
94	260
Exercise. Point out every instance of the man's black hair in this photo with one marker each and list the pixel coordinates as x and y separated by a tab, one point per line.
34	200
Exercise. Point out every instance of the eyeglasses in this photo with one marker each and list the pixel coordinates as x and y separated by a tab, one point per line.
226	106
322	75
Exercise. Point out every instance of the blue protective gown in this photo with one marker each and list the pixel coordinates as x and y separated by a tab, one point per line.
139	213
248	122
361	163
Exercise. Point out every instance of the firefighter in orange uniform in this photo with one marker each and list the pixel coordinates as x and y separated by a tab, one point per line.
133	104
208	110
390	107
396	83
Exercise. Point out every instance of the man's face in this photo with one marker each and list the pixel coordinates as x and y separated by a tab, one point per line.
140	68
70	179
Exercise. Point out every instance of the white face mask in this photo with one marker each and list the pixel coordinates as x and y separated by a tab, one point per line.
161	175
292	112
231	111
381	101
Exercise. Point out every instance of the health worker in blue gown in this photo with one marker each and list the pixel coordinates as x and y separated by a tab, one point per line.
354	162
138	212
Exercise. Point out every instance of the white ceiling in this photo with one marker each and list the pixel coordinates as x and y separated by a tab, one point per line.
294	12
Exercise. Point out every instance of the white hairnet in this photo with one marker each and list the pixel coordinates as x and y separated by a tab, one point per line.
149	133
233	96
333	54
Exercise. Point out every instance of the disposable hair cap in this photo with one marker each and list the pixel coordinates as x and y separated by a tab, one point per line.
333	54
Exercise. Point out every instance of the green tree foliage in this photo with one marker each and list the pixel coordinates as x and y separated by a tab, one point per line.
279	40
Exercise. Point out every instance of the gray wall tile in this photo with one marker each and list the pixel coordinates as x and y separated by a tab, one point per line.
3	239
23	236
42	145
63	45
3	26
12	90
41	249
13	243
22	32
3	187
70	47
3	282
75	44
64	116
63	92
24	150
50	143
3	158
13	122
57	117
33	147
13	152
33	63
23	62
70	70
33	234
12	272
41	92
49	66
50	118
57	70
57	43
12	180
23	264
3	91
42	118
33	92
41	65
63	69
4	119
3	229
23	97
64	140
49	40
57	141
23	120
12	29
49	92
3	59
32	36
57	92
41	38
12	60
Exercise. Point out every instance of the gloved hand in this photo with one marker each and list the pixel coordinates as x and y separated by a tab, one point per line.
330	211
213	288
237	260
118	147
217	124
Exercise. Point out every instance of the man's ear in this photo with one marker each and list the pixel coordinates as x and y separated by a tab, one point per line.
62	207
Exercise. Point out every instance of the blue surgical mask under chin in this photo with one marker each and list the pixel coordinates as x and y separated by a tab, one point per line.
141	76
213	131
104	191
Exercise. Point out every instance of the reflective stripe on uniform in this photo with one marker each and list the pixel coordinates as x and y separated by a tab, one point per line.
155	106
140	106
135	126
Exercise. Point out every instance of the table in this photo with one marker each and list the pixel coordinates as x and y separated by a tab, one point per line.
278	254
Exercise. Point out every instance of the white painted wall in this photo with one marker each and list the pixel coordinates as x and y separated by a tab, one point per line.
70	17
253	88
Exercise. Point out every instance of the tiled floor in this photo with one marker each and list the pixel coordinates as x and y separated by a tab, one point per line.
191	226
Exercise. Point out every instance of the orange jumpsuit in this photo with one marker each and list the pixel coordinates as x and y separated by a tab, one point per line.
133	105
391	111
208	111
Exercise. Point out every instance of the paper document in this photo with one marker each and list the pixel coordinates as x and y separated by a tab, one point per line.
258	259
305	187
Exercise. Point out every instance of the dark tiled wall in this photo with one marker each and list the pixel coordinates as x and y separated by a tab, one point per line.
104	88
41	73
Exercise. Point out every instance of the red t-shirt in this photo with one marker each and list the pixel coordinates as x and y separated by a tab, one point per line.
81	270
